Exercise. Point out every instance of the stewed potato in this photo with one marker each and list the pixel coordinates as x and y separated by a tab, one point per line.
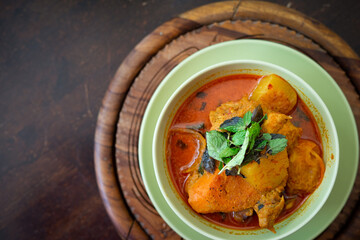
270	173
275	94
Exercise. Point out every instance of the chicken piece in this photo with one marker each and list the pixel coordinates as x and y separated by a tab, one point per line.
269	174
220	193
275	94
229	110
306	168
281	124
269	208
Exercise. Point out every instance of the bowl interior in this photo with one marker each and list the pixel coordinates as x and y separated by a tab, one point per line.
322	117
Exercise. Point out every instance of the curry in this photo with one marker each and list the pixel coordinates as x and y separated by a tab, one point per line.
244	151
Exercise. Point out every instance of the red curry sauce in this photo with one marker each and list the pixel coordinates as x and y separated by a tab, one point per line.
182	148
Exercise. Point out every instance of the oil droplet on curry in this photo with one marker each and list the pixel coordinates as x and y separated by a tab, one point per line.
261	191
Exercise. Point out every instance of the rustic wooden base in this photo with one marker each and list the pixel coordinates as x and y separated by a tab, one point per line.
116	138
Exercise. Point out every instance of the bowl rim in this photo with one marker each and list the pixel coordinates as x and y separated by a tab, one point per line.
157	136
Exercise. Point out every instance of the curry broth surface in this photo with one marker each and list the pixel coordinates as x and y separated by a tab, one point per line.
181	150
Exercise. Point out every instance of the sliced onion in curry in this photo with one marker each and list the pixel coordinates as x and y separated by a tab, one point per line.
194	163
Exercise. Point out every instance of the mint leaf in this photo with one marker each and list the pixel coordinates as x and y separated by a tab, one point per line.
254	131
243	142
261	146
263	118
261	142
236	124
247	118
221	165
239	157
216	142
226	160
253	156
276	145
266	136
275	136
228	152
200	169
238	138
233	125
207	163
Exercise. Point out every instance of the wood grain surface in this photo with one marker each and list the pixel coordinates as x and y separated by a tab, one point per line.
227	21
57	59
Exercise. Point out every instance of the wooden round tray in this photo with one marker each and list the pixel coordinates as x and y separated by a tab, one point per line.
119	119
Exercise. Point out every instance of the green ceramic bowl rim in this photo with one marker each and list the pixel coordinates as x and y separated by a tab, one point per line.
307	214
288	57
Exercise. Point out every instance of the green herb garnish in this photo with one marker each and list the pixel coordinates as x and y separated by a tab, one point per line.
241	141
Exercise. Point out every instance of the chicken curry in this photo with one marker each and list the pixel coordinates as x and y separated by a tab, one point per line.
244	151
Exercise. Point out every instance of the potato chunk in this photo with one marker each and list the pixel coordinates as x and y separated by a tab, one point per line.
306	168
275	94
269	174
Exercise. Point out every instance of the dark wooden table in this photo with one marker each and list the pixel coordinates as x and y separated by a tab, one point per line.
56	61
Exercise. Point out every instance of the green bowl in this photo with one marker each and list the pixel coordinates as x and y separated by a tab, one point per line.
330	148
